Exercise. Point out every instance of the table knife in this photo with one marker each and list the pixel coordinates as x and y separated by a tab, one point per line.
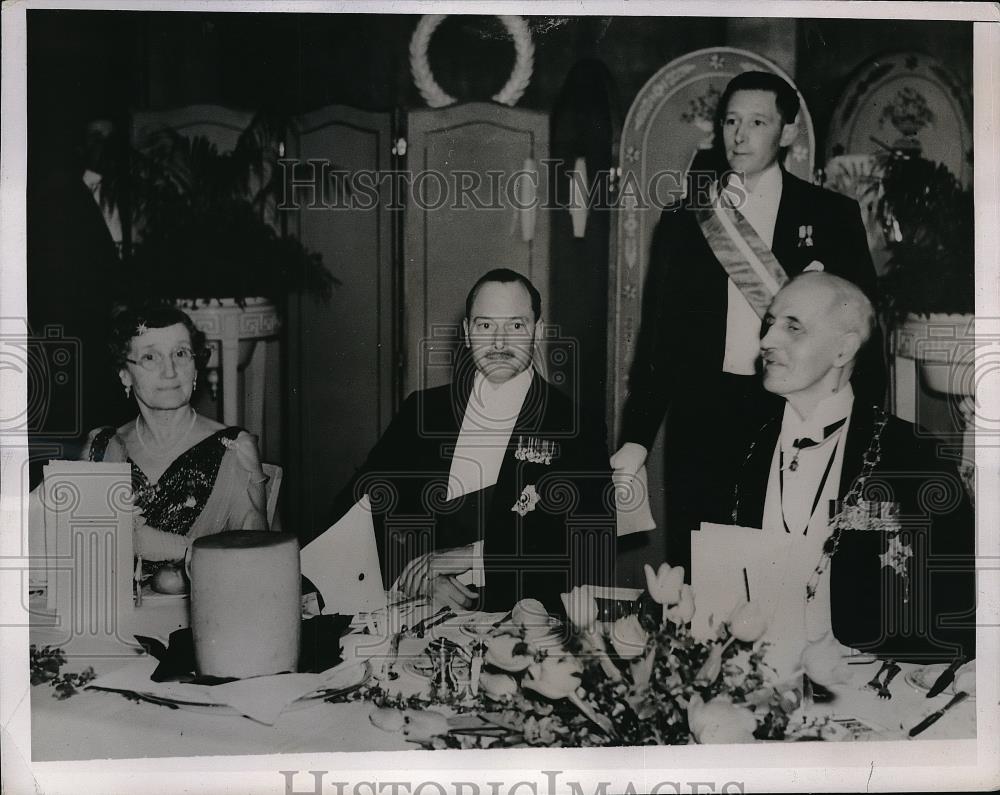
958	698
435	620
496	624
422	624
946	678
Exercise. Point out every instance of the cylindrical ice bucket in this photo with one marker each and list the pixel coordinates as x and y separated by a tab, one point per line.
245	603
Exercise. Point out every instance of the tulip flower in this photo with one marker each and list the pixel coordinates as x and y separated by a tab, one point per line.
683	611
554	677
387	719
721	734
824	662
720	721
423	725
531	616
497	686
628	637
747	622
559	677
664	585
581	608
593	643
509	653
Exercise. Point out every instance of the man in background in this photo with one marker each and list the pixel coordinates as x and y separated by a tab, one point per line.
73	277
714	268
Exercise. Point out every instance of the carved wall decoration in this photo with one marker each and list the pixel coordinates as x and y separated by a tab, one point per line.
908	101
437	97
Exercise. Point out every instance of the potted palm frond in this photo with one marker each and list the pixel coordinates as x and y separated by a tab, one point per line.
929	286
206	234
205	223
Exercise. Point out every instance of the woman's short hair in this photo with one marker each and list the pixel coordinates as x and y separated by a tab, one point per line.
126	322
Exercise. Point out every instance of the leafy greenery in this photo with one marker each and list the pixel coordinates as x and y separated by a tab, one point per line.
201	221
46	663
928	219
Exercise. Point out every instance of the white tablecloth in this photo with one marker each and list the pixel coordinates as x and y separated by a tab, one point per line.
100	725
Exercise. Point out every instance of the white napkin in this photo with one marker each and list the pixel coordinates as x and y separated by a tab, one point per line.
262	698
632	502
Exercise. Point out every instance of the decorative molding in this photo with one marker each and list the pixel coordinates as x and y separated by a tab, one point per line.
437	97
663	84
255	321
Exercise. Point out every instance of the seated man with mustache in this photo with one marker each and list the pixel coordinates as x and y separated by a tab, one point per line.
499	456
899	586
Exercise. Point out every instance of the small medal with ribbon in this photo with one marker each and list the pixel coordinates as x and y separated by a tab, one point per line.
535	450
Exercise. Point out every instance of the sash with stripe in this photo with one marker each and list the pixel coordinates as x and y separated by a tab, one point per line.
750	264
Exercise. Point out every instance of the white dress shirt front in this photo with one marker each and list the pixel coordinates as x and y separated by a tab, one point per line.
789	502
489	420
760	208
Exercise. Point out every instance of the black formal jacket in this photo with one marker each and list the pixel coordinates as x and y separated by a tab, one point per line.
682	339
871	609
567	539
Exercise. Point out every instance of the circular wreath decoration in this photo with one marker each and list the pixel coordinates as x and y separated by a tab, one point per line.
436	97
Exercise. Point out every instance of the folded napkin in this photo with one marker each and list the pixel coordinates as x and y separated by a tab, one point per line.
264	698
319	650
261	698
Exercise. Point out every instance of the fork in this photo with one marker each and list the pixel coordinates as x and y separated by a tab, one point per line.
883	691
875	683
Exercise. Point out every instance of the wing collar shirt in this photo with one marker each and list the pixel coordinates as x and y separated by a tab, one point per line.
112	219
799	498
489	420
760	208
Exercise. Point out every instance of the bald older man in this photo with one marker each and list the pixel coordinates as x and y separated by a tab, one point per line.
908	594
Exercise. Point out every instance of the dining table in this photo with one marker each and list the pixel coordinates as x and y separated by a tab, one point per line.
115	724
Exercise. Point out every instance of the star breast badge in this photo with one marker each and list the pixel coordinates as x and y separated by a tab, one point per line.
896	556
527	501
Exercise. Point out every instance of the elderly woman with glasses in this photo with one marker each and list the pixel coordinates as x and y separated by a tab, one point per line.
191	476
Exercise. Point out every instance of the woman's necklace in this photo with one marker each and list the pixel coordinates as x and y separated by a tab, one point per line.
169	450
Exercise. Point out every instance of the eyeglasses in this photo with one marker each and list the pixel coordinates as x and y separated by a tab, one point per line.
153	360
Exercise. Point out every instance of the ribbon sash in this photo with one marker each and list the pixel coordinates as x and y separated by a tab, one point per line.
748	262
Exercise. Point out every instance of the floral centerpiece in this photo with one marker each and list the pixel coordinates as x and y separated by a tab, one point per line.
643	679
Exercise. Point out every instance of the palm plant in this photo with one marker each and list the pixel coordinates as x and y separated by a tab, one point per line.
928	219
204	221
